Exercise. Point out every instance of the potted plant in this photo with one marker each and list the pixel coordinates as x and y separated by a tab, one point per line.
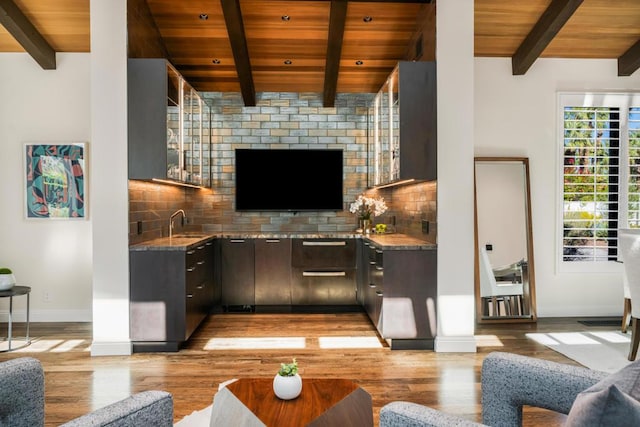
366	208
7	279
287	383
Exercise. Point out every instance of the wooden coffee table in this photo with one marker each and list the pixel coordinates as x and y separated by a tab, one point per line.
323	402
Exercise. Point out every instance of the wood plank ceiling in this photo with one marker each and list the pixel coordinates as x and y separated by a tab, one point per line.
327	46
276	45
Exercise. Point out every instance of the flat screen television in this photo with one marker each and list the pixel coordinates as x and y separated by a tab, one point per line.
289	180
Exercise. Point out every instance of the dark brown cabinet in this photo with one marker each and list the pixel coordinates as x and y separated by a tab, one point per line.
400	291
171	292
237	273
168	125
403	137
323	272
254	272
374	286
272	272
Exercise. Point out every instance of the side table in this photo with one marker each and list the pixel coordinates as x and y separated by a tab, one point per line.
10	293
251	402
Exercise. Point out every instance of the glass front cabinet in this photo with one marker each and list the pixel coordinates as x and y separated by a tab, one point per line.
169	125
402	126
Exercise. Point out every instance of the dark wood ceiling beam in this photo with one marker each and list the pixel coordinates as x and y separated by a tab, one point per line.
549	24
337	19
143	37
235	29
19	26
629	61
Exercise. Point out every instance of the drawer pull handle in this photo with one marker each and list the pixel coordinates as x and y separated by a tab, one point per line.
378	251
236	240
191	252
208	244
273	240
200	262
190	269
379	268
189	295
200	287
379	293
372	262
340	243
371	285
323	274
200	247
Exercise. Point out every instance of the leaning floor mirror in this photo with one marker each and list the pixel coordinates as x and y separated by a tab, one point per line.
504	268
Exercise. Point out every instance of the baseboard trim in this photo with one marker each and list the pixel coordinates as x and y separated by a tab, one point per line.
462	344
111	348
49	315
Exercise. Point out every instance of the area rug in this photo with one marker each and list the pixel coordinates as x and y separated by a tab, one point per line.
602	322
201	418
605	351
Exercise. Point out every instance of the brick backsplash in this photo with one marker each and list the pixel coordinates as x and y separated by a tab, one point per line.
279	120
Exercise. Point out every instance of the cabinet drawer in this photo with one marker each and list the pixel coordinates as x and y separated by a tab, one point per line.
199	263
323	253
376	269
323	287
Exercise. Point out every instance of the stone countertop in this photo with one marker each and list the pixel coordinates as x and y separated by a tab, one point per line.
398	241
183	242
180	242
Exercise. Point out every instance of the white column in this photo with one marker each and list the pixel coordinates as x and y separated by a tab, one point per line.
454	56
108	178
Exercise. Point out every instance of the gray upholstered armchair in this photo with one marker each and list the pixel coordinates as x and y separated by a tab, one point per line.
22	402
510	381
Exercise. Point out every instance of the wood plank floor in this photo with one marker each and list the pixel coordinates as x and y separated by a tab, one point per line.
253	345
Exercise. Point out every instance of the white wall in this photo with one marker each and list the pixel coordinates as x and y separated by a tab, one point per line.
454	47
110	183
52	256
517	116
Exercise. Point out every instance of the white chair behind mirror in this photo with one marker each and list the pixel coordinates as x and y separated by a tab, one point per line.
490	291
626	311
629	245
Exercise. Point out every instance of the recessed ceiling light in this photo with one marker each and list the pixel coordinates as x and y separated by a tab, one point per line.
285	18
358	62
216	61
288	62
204	16
367	19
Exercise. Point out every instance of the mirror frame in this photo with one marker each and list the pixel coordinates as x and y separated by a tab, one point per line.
531	297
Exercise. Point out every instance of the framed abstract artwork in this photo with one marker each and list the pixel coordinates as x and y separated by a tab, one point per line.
55	180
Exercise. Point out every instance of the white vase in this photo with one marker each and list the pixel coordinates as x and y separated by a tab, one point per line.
287	388
7	281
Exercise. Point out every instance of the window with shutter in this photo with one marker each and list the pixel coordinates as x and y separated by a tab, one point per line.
600	158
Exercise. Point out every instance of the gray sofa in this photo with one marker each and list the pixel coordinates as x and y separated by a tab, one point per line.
22	402
510	381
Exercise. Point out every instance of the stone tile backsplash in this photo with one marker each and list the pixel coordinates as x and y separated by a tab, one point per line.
278	121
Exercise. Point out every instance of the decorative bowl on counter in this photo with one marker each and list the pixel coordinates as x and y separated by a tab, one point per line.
7	279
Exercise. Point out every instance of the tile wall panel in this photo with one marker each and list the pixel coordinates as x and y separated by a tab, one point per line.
278	121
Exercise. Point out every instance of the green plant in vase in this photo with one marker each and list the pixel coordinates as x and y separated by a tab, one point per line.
288	369
287	384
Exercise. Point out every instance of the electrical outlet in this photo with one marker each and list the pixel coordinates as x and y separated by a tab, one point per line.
425	226
47	296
